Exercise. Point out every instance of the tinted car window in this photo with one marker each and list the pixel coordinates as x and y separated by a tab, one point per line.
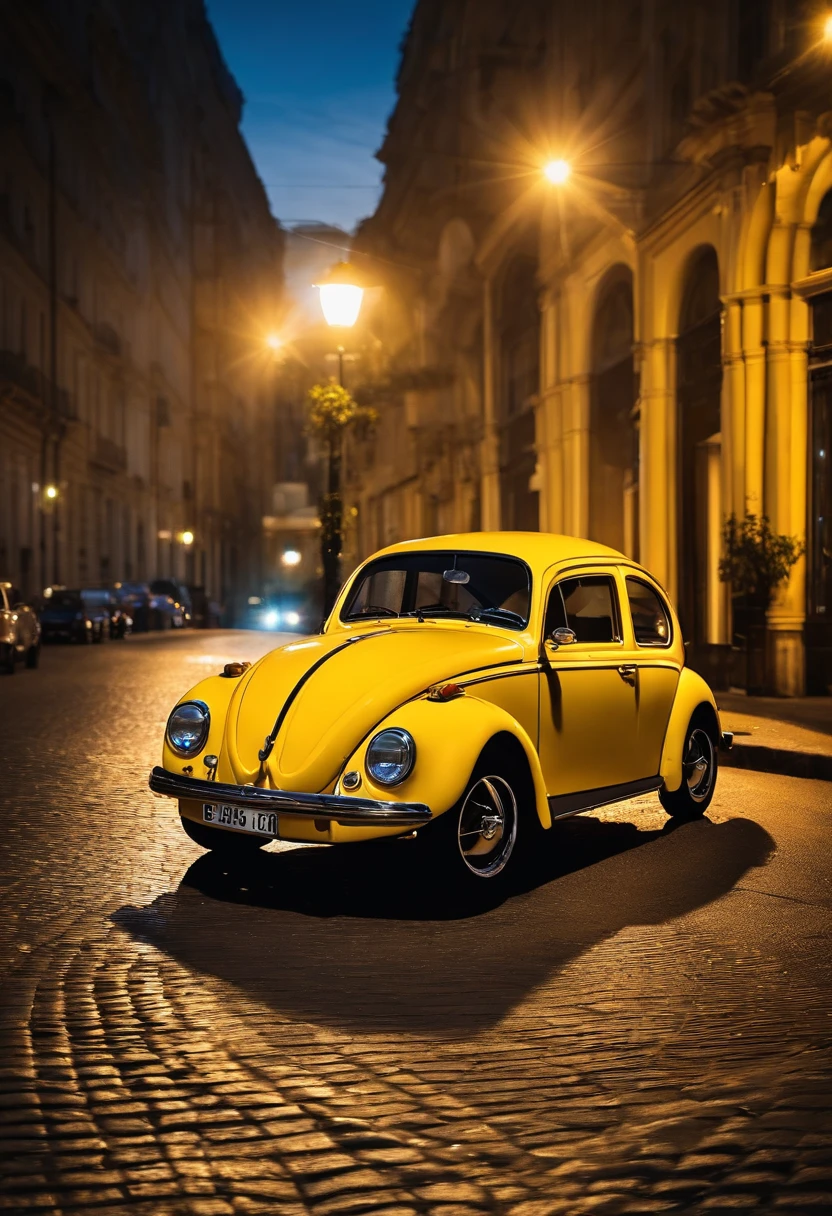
586	605
439	584
65	599
651	620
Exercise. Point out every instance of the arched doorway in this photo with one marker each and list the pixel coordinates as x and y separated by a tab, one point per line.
698	391
613	433
819	530
519	326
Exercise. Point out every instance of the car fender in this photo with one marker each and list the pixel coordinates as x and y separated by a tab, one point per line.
691	692
216	692
449	738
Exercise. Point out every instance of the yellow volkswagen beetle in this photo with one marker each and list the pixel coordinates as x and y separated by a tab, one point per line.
472	689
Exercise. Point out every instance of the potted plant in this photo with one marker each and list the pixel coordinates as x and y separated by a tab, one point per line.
756	561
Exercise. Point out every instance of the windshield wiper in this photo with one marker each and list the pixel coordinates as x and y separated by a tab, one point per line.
372	610
478	613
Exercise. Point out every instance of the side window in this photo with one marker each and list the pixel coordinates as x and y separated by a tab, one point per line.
588	605
651	620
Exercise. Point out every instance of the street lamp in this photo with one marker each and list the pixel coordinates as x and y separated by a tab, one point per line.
557	171
341	298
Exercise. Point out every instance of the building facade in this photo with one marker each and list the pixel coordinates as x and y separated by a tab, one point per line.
140	269
636	352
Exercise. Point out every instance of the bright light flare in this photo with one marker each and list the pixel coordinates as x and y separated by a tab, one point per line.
271	619
51	493
827	29
292	618
187	538
290	557
557	171
341	303
274	343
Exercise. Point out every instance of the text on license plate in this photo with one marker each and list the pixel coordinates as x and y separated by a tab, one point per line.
261	823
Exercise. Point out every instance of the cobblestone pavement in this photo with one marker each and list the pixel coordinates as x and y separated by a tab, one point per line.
645	1026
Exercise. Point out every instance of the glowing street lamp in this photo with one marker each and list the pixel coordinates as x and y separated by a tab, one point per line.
290	557
341	296
557	171
50	492
274	343
827	29
187	538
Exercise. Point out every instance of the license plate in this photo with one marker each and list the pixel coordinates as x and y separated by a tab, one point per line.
260	823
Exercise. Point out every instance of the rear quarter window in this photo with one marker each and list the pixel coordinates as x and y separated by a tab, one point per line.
651	618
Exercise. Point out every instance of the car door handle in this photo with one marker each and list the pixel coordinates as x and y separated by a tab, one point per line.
628	672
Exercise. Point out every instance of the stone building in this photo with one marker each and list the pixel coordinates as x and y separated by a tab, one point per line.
635	352
140	270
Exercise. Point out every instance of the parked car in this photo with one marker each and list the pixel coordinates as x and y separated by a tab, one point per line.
72	616
134	599
19	630
165	613
178	592
121	623
473	688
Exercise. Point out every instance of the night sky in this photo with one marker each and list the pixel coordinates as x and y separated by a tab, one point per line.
318	78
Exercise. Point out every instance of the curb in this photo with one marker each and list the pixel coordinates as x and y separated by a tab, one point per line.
761	759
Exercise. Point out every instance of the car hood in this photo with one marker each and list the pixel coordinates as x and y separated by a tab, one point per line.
330	691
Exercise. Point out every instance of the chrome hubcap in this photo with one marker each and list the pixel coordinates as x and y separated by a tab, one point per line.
487	826
699	764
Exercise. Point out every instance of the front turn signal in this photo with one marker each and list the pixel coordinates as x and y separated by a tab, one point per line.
445	692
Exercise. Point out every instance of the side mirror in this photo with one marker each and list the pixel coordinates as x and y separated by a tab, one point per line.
562	637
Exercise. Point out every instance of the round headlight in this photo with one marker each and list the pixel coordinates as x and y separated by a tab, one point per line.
188	727
390	756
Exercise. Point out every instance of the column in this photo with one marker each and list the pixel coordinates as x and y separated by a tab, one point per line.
490	443
657	438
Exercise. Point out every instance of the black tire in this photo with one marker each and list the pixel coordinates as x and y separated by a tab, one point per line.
482	842
8	661
233	844
33	655
700	765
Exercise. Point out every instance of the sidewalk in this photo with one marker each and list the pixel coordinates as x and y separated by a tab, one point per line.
792	736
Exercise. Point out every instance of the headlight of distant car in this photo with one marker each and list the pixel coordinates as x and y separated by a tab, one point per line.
390	756
187	727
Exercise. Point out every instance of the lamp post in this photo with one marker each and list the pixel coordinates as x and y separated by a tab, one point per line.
341	298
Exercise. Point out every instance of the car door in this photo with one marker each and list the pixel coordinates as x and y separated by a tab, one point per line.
588	723
654	653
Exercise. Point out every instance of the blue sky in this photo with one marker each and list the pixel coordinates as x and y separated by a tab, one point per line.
318	77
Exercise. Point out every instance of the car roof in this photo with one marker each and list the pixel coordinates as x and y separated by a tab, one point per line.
539	549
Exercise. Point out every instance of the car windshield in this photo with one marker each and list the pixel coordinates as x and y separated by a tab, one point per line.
64	600
97	598
477	586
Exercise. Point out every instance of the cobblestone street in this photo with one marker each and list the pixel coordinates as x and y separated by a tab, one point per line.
645	1026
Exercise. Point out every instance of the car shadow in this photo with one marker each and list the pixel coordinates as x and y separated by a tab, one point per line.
366	937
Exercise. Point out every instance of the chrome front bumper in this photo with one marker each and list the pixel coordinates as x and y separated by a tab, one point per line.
350	812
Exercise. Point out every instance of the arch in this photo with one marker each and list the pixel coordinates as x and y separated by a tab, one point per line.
613	434
698	394
518	324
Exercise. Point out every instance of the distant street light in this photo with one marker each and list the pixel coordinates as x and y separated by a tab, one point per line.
187	538
341	298
557	171
290	557
51	492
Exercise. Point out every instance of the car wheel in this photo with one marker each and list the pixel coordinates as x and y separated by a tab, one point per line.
699	771
8	661
482	836
33	655
219	841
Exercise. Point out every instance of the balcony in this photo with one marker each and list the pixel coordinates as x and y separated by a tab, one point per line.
108	455
28	386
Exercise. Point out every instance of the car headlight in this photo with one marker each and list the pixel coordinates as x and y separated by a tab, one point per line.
187	727
271	619
390	756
